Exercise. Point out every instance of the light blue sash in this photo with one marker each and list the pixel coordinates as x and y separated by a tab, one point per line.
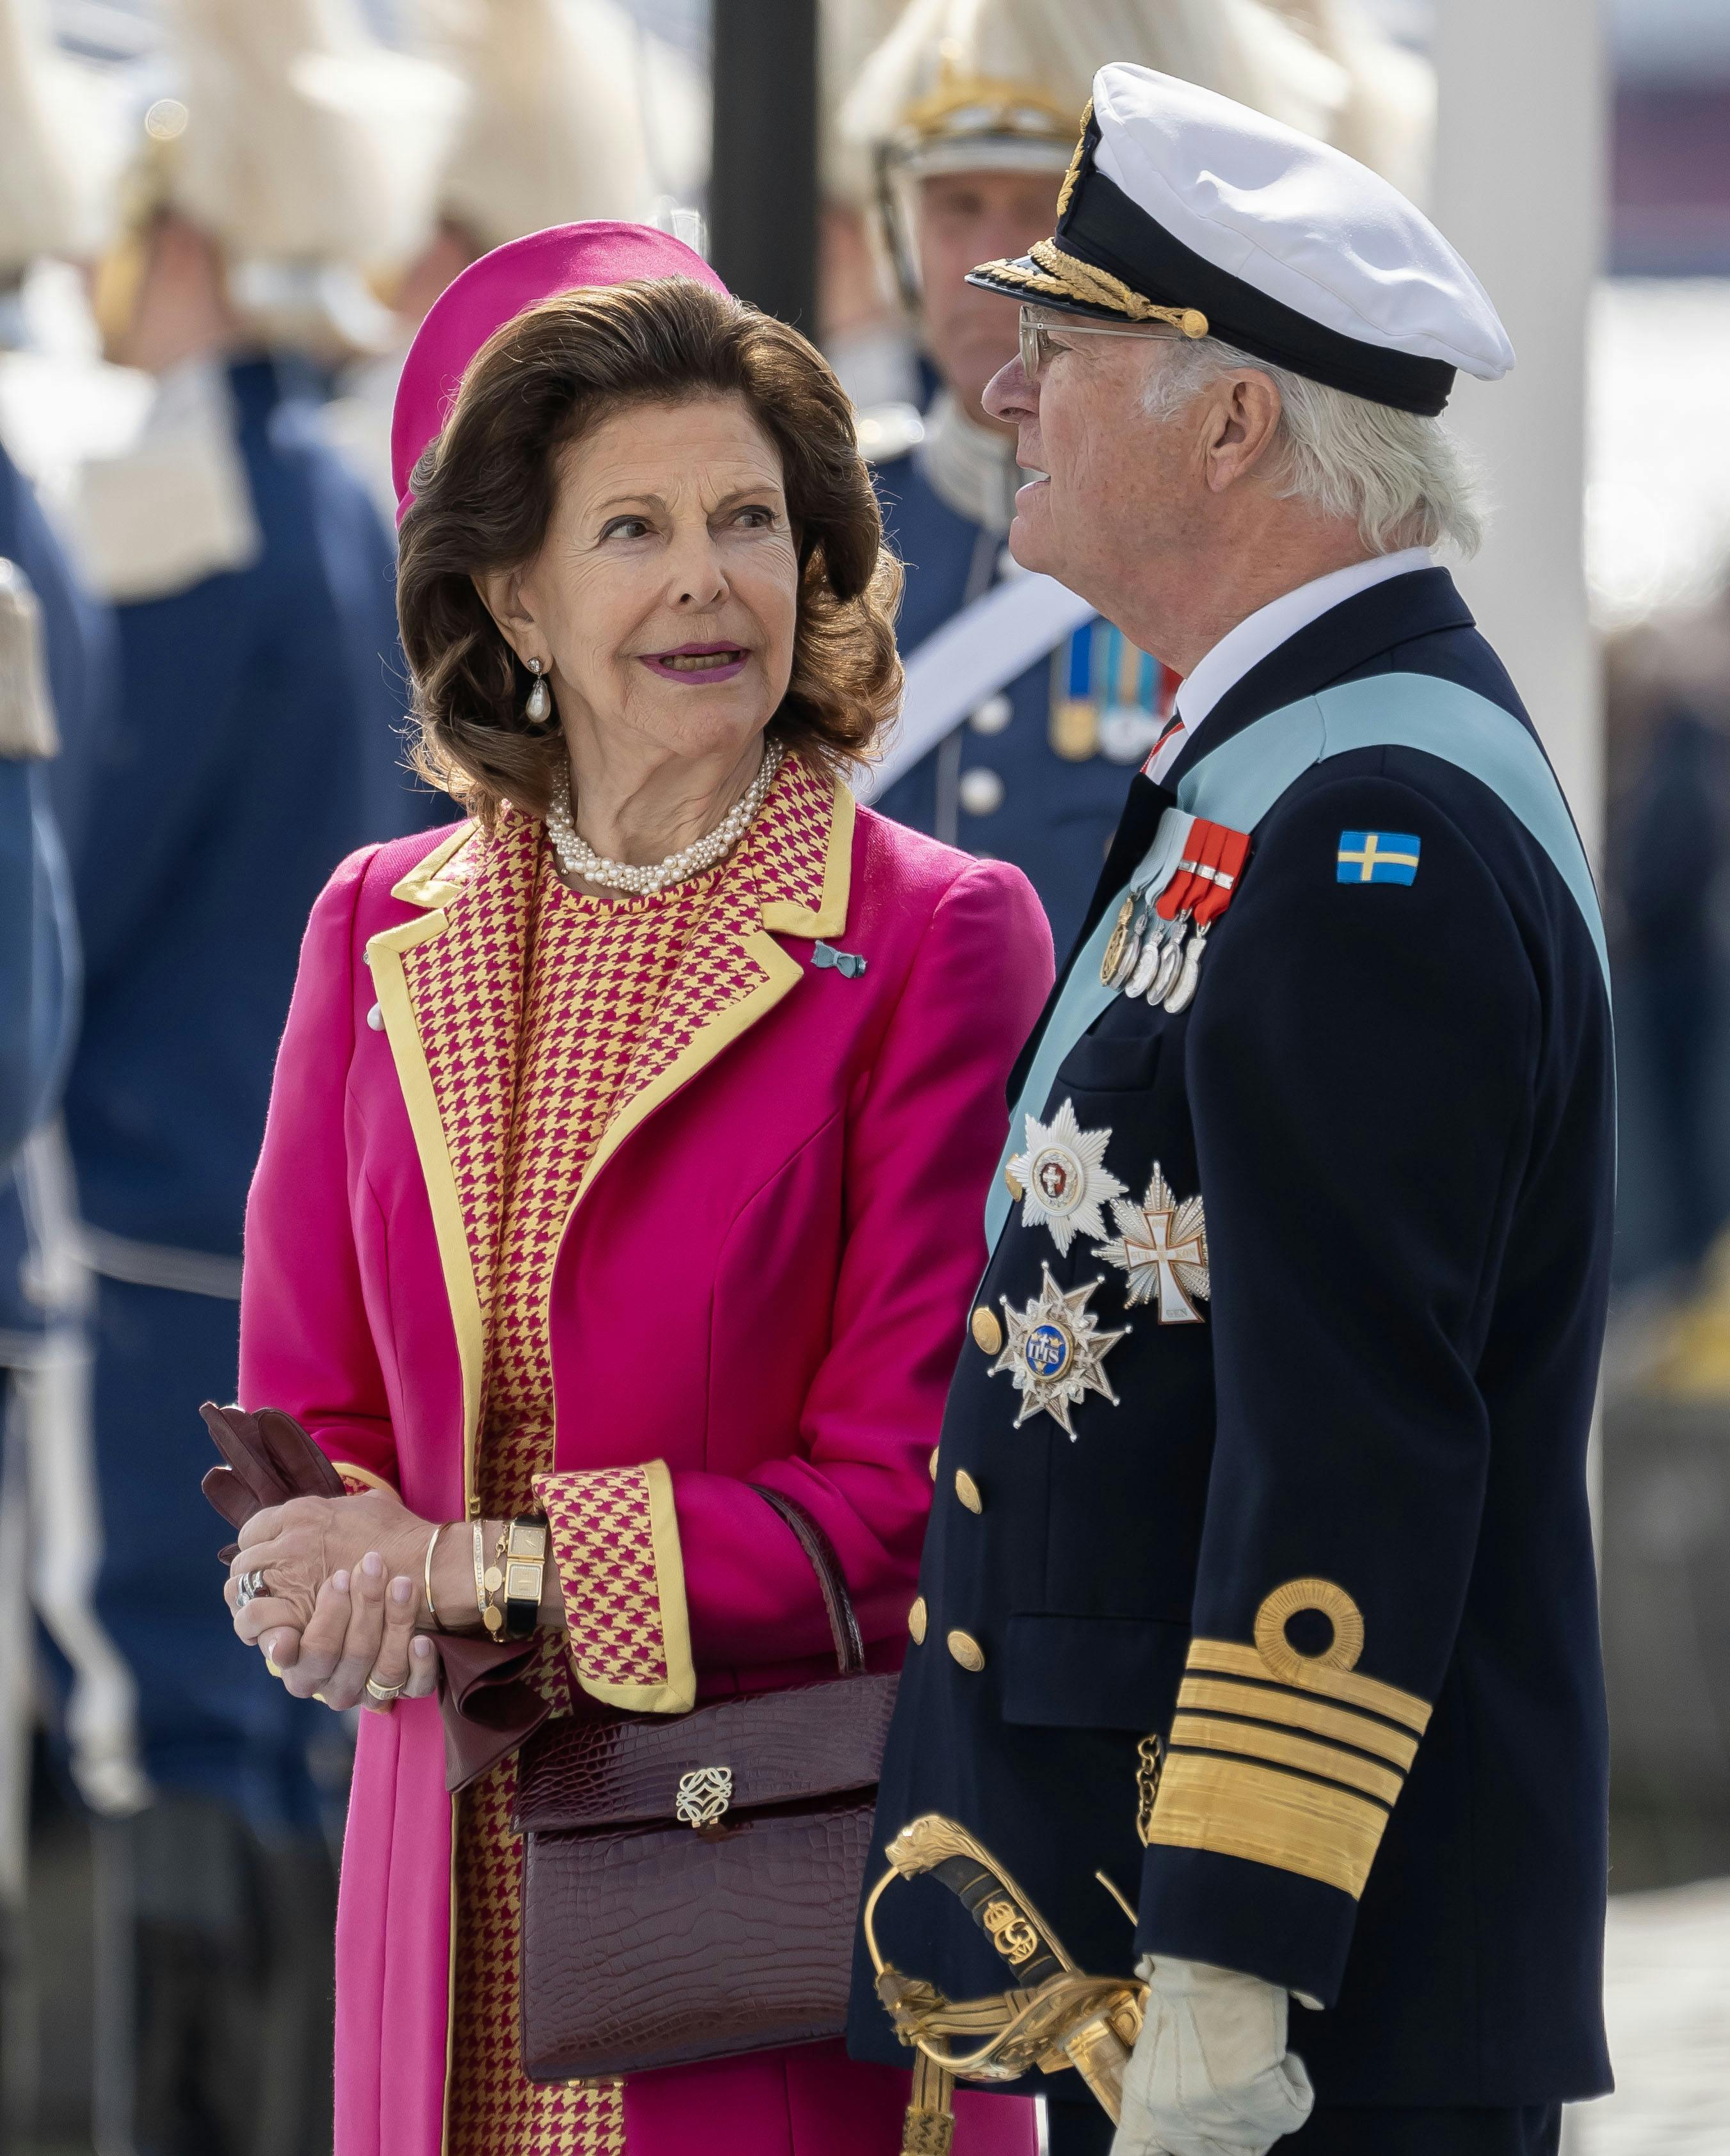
1240	781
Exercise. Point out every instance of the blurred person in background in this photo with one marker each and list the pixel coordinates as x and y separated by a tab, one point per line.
865	332
56	703
259	740
1668	731
568	109
970	108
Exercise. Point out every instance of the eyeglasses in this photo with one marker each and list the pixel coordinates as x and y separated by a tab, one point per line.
1037	332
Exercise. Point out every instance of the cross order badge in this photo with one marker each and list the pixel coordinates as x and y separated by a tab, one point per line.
1062	1180
1162	1246
1054	1352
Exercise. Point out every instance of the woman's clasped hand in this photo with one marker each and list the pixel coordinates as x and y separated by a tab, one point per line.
341	1599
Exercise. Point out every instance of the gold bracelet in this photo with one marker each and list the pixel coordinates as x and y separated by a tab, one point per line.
488	1580
427	1577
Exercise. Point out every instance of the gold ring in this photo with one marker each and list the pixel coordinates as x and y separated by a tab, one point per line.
384	1694
272	1668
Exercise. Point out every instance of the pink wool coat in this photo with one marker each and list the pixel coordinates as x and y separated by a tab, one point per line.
766	1273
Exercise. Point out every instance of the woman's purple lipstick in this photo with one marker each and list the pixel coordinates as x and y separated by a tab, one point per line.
701	662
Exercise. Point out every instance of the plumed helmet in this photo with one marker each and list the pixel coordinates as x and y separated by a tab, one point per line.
966	85
62	143
305	139
575	111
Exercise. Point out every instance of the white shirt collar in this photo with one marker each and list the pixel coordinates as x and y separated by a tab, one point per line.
1266	629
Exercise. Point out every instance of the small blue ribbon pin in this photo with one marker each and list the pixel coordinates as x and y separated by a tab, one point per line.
848	964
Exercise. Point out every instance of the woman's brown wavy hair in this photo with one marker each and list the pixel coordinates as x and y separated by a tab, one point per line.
485	493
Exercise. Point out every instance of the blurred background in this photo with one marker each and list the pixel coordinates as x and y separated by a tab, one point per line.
220	223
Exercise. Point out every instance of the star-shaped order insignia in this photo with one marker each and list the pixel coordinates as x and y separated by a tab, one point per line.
1062	1179
1162	1246
1054	1352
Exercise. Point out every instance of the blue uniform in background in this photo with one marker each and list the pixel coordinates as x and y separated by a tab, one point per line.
1038	775
261	741
41	814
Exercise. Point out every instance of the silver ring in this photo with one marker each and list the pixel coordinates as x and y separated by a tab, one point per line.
247	1588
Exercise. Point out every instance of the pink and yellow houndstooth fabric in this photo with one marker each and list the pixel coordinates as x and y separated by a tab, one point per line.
542	1017
594	976
615	1537
493	2108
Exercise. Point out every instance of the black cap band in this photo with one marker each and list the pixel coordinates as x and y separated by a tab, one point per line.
1101	226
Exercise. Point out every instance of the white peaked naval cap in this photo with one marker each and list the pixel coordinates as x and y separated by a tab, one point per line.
1184	206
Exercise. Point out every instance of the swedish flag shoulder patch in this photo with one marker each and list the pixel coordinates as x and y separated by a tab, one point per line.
1377	857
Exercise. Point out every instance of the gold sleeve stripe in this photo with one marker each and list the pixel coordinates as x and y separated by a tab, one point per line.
1210	1695
1267	1816
1202	1732
1233	1658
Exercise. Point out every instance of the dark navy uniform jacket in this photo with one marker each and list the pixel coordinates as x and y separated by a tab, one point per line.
1346	1512
1056	816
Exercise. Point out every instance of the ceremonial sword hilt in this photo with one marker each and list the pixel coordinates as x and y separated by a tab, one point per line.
1056	2016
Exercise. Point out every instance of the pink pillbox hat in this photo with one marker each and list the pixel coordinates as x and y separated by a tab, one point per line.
495	291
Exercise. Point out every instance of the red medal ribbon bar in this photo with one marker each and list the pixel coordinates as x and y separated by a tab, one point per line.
1207	875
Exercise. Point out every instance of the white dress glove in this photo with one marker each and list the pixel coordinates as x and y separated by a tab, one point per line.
1210	2075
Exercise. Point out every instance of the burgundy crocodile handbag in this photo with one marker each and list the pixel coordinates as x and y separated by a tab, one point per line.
690	1883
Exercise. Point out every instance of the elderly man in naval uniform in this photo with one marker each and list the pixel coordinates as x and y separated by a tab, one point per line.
1259	1583
1026	710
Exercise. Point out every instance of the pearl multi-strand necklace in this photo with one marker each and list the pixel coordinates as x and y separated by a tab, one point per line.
578	859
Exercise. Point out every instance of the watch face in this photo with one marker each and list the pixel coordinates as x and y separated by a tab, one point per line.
522	1582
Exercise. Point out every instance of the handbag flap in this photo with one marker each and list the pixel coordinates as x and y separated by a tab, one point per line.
813	1741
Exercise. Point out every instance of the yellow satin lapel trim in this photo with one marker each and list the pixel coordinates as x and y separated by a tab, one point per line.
784	916
384	954
780	973
425	884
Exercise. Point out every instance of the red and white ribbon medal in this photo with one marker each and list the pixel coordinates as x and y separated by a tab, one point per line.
1165	920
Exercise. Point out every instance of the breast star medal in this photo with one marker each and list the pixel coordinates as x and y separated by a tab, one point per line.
1054	1352
1062	1179
1162	1246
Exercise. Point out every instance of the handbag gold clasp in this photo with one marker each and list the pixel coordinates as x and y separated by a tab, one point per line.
704	1795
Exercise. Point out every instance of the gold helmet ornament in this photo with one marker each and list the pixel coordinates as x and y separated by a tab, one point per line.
966	85
306	151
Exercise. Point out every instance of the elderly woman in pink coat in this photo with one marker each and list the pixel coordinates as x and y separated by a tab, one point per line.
628	1147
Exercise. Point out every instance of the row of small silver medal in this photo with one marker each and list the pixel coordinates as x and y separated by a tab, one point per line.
1150	957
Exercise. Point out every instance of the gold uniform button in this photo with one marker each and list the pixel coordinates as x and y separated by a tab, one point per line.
1012	1183
967	1651
933	1461
915	1622
967	1490
987	1333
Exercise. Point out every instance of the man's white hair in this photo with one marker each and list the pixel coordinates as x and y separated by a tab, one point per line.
1401	477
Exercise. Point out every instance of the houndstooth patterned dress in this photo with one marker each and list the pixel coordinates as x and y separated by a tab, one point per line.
595	977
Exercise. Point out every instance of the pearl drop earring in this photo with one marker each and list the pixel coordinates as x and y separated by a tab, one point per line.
540	702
